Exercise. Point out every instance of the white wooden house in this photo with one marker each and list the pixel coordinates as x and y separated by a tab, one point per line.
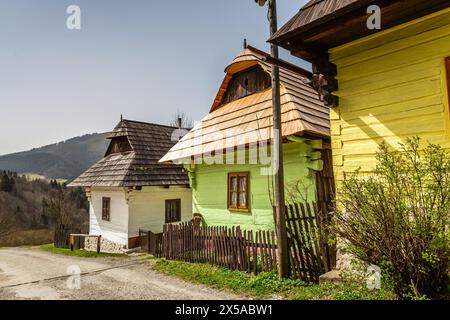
129	190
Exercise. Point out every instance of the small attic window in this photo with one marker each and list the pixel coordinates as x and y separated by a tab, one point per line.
245	83
119	145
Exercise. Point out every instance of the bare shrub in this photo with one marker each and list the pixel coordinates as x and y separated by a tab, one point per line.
398	218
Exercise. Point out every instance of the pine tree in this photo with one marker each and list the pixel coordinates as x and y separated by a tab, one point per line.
6	183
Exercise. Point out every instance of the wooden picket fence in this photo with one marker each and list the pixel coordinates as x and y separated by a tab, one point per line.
251	251
150	242
222	246
310	255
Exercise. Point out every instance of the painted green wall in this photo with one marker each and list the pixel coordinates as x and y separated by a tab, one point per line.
209	187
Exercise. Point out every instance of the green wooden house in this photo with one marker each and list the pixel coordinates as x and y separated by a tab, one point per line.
228	156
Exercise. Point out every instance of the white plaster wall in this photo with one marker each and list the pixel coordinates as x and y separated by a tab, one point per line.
147	207
116	229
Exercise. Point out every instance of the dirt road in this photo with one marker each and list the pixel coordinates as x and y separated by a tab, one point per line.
30	273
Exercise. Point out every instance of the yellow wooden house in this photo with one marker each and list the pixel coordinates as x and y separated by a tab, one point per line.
382	84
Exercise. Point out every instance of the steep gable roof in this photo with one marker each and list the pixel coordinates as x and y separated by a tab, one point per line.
139	167
302	111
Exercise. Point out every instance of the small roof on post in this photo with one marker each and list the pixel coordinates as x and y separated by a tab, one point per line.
251	116
138	167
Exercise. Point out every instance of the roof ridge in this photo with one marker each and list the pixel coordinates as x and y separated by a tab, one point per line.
259	51
311	4
149	123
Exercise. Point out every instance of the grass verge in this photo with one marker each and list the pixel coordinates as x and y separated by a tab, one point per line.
268	285
78	253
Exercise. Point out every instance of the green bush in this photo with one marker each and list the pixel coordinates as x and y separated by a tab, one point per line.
398	217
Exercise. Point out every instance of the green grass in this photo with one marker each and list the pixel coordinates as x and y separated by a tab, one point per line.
267	285
78	253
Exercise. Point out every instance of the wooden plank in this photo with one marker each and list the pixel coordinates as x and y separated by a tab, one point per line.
213	245
184	238
247	249
302	237
165	241
204	244
295	244
307	243
71	240
228	247
210	244
254	253
315	242
321	219
241	248
266	251
274	249
269	250
236	257
191	243
232	248
206	256
99	241
258	248
222	247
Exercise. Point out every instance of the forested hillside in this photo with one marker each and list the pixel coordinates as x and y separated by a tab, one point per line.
30	209
63	160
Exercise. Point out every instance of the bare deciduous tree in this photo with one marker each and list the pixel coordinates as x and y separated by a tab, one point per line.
182	120
6	226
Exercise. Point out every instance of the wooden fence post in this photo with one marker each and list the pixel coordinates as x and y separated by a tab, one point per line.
99	240
71	242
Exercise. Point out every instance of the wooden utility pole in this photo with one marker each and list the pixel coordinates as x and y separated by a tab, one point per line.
277	150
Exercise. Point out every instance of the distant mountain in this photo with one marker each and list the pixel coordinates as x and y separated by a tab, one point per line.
63	160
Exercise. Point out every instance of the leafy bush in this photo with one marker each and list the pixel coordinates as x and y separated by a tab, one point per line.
398	218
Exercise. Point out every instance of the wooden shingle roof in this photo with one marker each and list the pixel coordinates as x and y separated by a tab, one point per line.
139	167
311	12
324	24
251	117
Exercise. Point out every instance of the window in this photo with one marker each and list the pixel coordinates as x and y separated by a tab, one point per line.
119	145
106	208
173	210
246	82
238	191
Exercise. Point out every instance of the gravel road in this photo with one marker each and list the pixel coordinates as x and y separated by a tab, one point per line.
30	273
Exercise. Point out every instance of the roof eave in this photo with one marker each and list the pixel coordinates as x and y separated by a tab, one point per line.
279	37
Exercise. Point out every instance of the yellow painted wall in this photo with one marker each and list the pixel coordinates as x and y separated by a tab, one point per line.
392	85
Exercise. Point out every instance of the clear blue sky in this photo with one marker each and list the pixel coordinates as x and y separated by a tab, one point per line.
144	59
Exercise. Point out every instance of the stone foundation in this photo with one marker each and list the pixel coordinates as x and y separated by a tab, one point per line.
106	245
